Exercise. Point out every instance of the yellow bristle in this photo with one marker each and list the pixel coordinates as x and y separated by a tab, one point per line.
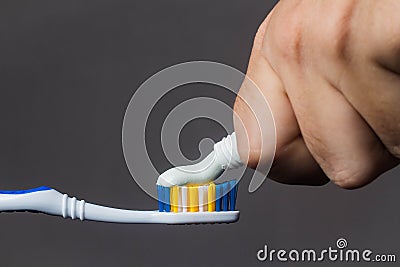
211	197
174	198
193	198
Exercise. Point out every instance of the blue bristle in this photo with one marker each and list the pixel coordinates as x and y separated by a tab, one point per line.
225	200
232	195
236	192
218	194
160	193
167	199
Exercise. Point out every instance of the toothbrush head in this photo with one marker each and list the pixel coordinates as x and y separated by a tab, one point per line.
210	203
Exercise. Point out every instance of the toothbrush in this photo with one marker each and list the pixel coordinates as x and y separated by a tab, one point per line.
179	202
49	201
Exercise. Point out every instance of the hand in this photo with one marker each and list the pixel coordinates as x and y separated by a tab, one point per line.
330	71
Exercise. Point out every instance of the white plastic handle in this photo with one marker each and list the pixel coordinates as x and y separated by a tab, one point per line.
52	202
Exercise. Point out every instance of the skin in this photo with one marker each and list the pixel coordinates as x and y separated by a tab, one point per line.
330	71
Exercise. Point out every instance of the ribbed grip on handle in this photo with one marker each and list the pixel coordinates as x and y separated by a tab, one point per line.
42	199
73	208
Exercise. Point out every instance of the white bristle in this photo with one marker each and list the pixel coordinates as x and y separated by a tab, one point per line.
201	198
205	199
179	199
184	192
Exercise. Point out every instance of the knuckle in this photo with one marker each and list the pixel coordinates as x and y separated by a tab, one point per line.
286	40
283	37
345	179
351	176
394	149
292	37
337	39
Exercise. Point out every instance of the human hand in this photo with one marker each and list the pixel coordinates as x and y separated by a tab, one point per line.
330	71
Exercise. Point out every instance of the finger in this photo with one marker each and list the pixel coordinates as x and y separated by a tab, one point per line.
372	81
293	162
337	136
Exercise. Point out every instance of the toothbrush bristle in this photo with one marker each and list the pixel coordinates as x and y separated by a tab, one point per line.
194	198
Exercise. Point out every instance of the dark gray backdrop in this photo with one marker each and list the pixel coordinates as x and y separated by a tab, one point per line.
67	72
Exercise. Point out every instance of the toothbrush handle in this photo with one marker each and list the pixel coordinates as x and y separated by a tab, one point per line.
42	199
50	201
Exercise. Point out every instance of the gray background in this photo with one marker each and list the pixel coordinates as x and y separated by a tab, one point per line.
67	72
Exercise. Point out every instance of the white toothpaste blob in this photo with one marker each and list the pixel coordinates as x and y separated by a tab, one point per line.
225	156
